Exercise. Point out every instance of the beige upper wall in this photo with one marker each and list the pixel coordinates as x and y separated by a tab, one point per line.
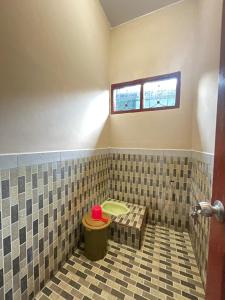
53	75
207	71
159	43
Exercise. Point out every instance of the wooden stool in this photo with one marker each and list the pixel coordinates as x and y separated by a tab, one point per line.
95	237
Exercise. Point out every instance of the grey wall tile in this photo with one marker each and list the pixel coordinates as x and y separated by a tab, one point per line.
7	245
1	278
5	189
24	284
16	265
22	235
21	184
34	181
29	207
9	295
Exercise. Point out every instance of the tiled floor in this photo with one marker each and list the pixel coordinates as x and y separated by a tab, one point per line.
164	268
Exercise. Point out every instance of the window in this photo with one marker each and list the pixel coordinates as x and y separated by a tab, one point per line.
161	92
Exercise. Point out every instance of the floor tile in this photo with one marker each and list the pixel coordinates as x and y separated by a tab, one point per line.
164	268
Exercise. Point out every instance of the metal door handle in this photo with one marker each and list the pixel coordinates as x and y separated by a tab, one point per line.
207	210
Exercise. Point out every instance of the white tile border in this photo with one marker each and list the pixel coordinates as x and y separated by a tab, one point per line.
203	156
81	153
9	161
37	158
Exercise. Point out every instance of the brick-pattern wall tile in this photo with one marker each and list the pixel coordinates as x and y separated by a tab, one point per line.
162	183
201	190
41	208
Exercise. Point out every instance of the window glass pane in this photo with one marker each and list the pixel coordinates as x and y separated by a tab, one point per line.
127	98
160	93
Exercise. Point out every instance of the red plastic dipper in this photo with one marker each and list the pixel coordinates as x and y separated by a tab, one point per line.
96	214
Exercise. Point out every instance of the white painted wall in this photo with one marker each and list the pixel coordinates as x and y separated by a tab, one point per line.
159	43
54	87
53	75
185	37
206	71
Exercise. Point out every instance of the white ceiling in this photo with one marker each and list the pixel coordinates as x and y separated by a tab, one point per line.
121	11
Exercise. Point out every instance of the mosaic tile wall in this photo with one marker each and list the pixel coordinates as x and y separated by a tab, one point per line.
160	181
201	190
169	184
42	204
41	207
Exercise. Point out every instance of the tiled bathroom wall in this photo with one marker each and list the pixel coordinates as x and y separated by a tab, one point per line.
169	183
44	196
42	201
159	180
201	190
